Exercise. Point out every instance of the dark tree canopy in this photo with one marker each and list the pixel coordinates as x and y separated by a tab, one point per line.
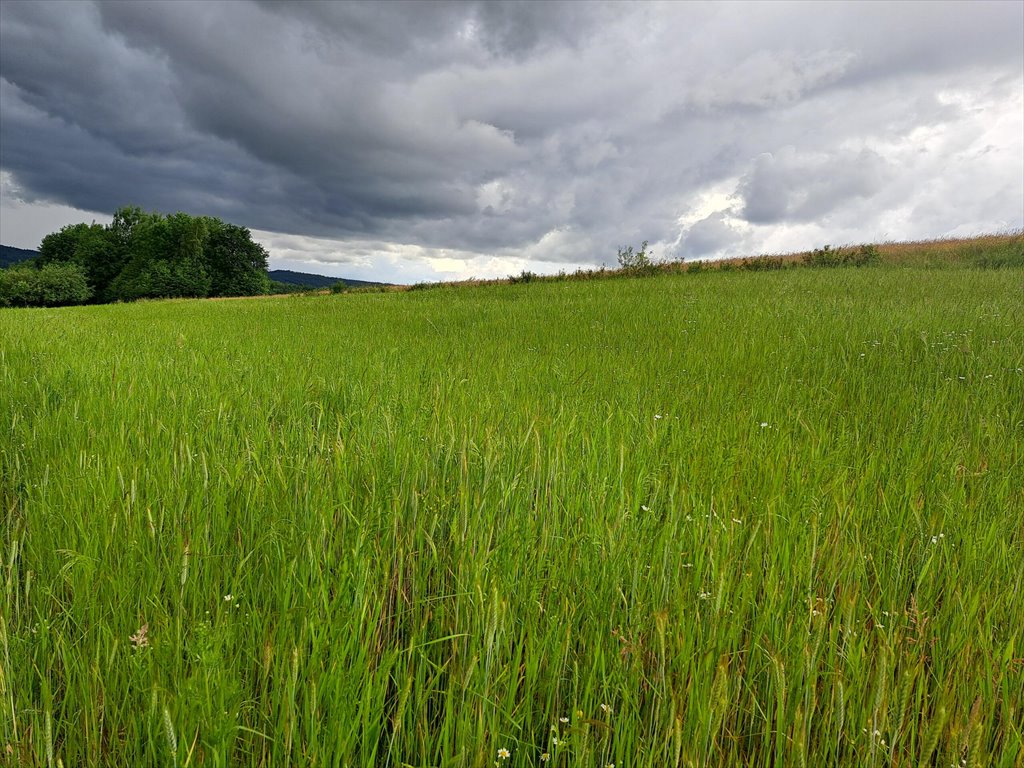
151	255
237	264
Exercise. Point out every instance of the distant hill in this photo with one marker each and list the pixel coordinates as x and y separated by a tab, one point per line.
307	280
10	255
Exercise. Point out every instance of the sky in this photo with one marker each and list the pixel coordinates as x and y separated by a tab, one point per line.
422	141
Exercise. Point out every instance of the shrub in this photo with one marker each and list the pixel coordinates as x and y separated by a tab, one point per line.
827	256
639	262
55	285
17	287
526	276
865	256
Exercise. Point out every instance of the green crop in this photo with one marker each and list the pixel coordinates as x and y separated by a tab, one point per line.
719	519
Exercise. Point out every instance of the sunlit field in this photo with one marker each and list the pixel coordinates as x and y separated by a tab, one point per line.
715	519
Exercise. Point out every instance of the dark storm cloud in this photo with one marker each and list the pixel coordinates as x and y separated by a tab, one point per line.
552	131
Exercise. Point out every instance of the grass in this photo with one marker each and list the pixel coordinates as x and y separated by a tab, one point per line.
994	251
699	520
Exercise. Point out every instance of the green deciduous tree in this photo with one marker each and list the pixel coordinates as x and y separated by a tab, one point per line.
166	260
238	266
89	246
149	255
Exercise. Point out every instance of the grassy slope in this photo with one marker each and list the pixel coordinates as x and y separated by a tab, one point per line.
985	251
448	518
998	250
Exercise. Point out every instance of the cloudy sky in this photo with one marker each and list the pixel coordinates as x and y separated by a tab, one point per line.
426	141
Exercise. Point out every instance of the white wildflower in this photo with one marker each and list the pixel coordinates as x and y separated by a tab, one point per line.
140	639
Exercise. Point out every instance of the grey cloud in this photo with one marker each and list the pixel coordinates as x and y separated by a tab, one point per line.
109	90
768	79
711	235
790	186
556	130
438	31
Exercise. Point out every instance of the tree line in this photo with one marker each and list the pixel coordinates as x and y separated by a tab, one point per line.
139	255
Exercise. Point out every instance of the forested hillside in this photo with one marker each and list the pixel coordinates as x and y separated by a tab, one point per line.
9	255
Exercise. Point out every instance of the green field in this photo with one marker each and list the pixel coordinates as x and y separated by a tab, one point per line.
712	519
